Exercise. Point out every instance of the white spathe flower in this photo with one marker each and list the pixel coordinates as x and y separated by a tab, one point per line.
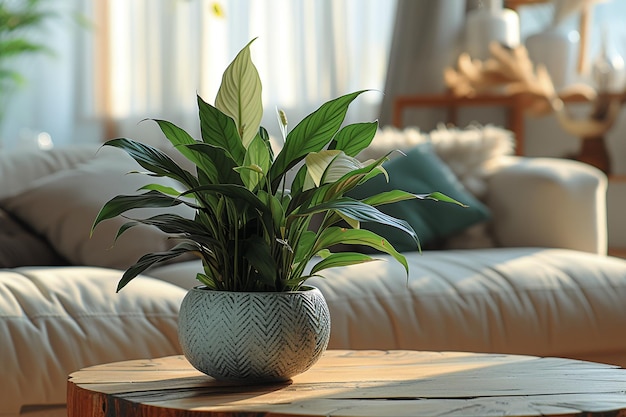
328	166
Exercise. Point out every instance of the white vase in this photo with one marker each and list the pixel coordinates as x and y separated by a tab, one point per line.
557	49
253	337
490	24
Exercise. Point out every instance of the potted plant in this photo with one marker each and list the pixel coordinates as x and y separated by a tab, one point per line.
15	23
20	22
253	318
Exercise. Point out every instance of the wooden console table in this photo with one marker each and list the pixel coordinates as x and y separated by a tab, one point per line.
593	150
359	383
513	104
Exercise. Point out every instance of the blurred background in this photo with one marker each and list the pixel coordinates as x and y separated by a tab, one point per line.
99	67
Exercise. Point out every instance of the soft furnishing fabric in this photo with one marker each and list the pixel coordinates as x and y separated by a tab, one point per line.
472	153
422	172
19	169
63	206
537	301
56	320
20	246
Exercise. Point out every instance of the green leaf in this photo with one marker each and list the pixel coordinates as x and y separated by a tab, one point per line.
125	227
239	95
355	224
258	254
16	46
336	235
437	196
361	212
210	282
276	207
11	75
266	139
162	189
176	135
154	160
219	130
354	138
181	141
223	169
173	224
233	191
151	259
341	259
297	185
386	197
122	203
304	248
394	196
257	156
312	134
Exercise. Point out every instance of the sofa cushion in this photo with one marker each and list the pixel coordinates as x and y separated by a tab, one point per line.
471	153
20	246
54	321
18	169
532	301
535	301
62	207
421	172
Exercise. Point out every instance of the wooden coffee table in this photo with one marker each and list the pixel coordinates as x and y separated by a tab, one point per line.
359	383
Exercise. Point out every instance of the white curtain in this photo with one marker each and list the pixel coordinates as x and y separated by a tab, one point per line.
48	100
149	58
426	39
162	52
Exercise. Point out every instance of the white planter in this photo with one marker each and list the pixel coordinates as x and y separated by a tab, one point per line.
557	49
486	25
253	337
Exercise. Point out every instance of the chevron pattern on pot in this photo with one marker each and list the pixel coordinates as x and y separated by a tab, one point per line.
253	337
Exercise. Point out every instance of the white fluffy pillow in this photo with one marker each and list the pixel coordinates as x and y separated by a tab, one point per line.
473	152
63	206
470	153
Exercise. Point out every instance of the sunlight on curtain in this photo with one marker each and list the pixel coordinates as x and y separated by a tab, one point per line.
45	101
162	52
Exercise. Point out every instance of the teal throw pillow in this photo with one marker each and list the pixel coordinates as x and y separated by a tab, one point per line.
422	172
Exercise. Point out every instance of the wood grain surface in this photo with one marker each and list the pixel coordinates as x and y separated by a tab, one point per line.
359	383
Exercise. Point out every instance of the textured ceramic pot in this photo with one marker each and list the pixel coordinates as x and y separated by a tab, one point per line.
253	337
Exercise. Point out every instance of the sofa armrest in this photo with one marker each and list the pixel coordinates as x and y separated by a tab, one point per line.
548	202
56	320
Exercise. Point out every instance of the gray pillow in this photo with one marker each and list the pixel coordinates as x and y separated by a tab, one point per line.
63	206
20	246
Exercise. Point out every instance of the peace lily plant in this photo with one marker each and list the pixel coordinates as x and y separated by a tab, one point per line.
252	229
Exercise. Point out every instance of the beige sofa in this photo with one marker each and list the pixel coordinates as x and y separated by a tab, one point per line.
539	283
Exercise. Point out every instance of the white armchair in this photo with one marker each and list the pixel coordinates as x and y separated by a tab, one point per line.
548	202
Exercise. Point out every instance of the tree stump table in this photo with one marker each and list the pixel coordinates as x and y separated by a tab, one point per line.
359	383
